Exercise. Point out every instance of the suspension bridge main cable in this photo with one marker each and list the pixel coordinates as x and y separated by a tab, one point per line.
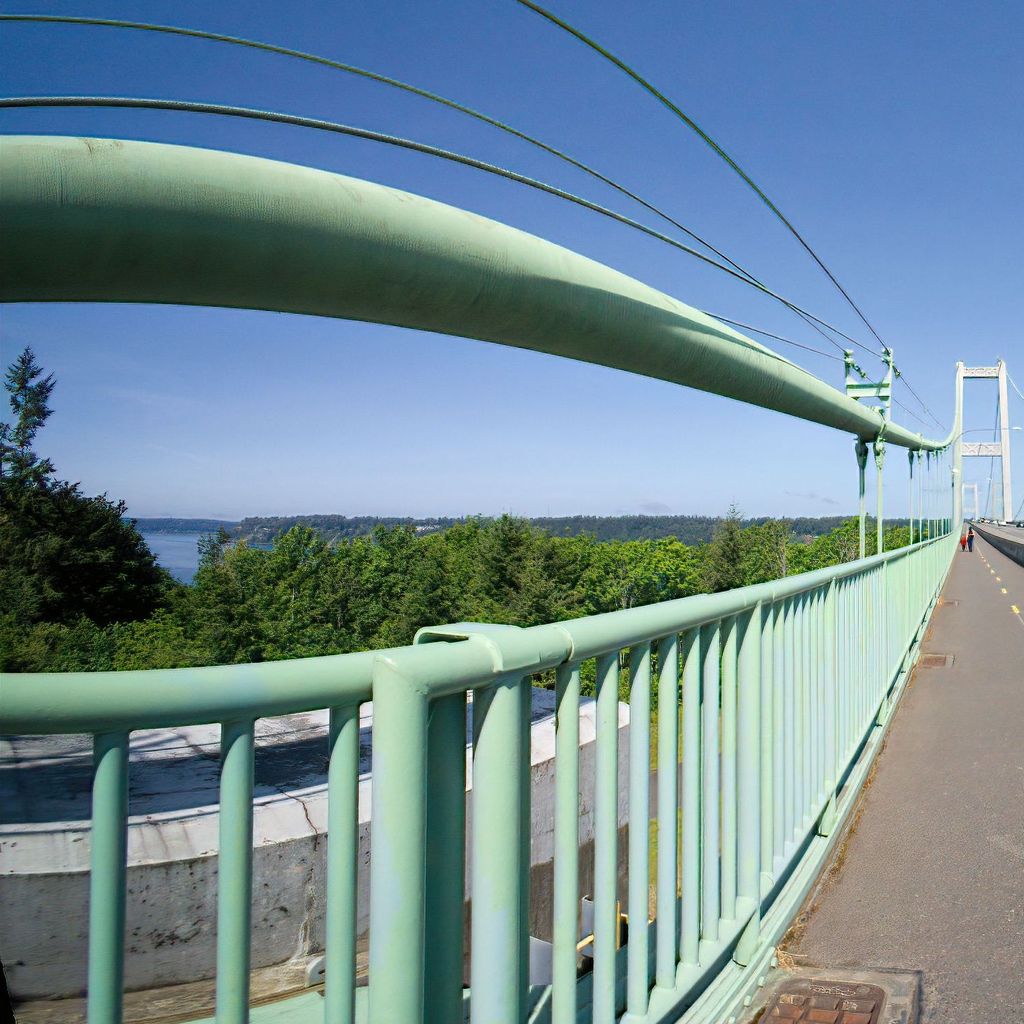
127	102
810	320
431	97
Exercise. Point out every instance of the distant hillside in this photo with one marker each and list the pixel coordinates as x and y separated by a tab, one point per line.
169	525
689	529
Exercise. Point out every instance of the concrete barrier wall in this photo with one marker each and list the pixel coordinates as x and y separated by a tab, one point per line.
172	847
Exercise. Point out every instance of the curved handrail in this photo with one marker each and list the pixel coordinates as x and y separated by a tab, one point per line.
103	220
59	702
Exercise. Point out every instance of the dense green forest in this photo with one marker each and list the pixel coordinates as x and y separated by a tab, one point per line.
80	591
262	530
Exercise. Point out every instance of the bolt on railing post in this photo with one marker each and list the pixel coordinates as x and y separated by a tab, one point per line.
861	450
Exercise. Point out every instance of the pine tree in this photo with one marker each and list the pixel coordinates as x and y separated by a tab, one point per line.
29	397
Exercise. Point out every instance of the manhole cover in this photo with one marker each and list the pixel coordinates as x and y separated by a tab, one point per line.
820	1001
937	660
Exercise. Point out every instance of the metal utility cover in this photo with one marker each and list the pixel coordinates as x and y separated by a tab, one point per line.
821	1001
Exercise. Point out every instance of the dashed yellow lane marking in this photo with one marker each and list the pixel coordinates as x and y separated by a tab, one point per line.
999	579
1016	610
1003	589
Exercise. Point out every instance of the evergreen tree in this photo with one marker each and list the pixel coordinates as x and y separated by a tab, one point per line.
29	393
66	557
723	564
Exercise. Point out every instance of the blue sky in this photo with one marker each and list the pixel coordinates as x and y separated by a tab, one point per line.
891	134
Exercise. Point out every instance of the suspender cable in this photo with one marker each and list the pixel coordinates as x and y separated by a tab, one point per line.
691	124
777	337
648	87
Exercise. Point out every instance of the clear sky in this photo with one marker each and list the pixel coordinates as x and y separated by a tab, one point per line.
891	134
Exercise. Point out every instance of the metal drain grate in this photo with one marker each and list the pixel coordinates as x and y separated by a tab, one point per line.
937	660
819	1001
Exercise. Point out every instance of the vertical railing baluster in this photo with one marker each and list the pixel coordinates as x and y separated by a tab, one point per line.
779	756
767	740
639	828
711	791
108	855
398	872
565	930
606	837
831	707
799	712
444	853
789	725
689	923
525	837
814	781
730	629
342	861
666	937
498	776
748	777
234	871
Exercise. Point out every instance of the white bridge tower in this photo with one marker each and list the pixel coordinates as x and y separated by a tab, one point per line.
994	449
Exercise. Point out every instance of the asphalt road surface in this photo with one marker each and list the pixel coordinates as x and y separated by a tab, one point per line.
933	879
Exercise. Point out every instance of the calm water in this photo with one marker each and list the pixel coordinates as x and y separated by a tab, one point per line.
178	553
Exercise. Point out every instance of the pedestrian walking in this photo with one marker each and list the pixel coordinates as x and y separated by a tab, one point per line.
970	538
963	542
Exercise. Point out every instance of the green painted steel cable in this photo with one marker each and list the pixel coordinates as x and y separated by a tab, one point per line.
776	337
690	123
249	113
416	91
383	80
806	348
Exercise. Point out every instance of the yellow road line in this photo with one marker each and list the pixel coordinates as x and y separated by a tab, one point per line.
1003	589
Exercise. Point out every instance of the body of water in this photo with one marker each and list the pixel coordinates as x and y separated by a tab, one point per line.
178	553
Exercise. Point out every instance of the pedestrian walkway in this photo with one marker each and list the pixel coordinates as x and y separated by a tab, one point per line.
933	873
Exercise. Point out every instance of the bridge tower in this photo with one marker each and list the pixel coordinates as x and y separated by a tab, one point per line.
994	449
972	510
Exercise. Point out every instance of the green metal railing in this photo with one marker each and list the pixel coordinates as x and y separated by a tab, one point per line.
780	686
782	689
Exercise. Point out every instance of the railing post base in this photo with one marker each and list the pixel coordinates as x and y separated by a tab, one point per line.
828	817
750	939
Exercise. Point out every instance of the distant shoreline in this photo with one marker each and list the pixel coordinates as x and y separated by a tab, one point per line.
262	530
